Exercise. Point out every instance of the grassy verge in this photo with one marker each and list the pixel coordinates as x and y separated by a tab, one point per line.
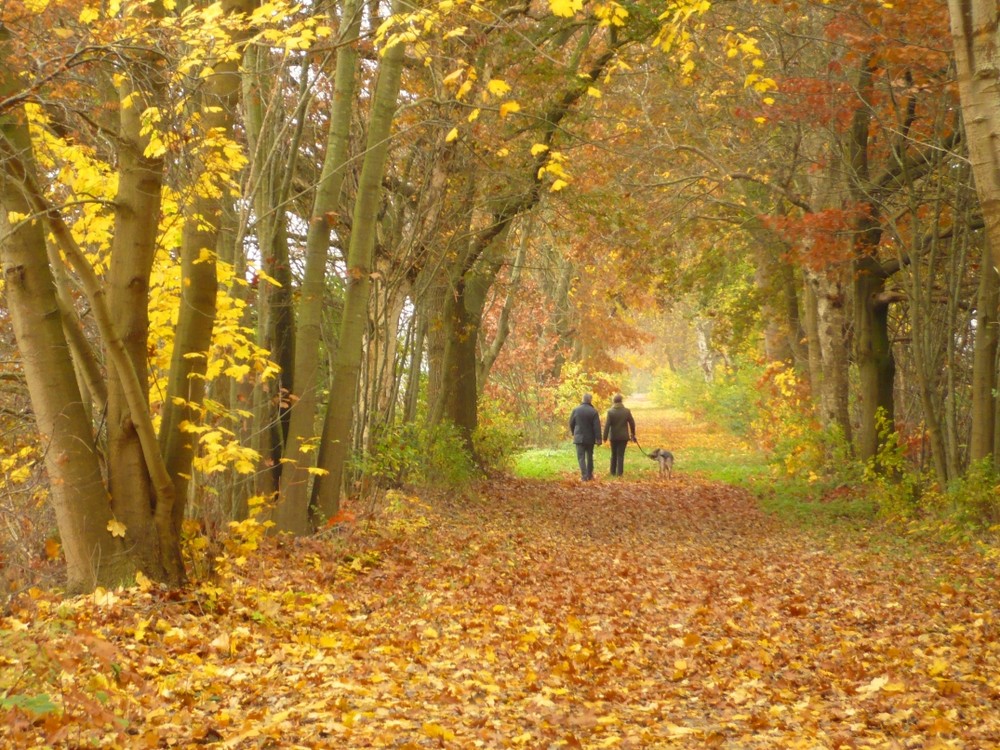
545	463
704	453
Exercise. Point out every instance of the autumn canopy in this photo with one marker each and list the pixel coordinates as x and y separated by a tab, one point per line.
297	300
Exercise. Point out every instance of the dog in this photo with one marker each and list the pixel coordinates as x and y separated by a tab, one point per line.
666	461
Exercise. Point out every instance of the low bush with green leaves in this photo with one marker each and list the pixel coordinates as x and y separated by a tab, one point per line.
420	454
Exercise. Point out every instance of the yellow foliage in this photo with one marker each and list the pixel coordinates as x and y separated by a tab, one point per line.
565	8
498	87
508	107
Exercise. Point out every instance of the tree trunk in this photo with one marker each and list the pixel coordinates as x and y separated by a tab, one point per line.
272	167
975	26
491	351
876	364
810	323
832	343
984	373
137	214
292	511
921	350
347	361
199	282
93	555
413	375
775	280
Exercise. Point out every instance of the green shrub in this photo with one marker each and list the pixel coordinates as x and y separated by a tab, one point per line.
419	454
896	486
974	499
497	438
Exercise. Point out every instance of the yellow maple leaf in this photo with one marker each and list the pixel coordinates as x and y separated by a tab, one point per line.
565	8
116	527
438	731
464	89
938	667
452	135
498	87
507	107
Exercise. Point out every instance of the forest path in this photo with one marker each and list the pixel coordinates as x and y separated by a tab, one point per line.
626	613
646	613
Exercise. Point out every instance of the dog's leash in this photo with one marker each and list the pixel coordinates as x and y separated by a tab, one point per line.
640	448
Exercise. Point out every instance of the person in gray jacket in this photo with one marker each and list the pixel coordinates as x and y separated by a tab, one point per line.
619	426
585	424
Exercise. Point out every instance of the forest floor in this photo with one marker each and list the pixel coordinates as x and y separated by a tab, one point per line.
628	613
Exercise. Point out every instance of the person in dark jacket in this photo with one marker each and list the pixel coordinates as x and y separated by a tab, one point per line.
585	424
619	427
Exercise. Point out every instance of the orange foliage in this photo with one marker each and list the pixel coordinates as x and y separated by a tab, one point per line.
635	614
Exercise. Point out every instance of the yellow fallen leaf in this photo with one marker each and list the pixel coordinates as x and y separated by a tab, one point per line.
438	731
142	581
939	666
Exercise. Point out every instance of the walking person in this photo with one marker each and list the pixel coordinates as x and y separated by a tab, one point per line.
585	424
619	427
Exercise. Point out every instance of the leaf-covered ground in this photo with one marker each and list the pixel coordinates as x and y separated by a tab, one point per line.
634	613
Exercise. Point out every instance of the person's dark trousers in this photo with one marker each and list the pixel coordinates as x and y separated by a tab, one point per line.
618	457
585	457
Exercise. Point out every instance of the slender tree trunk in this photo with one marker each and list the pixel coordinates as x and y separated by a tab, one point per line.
810	323
199	281
272	167
984	373
93	387
492	351
413	375
137	214
233	393
921	348
775	280
347	362
292	511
